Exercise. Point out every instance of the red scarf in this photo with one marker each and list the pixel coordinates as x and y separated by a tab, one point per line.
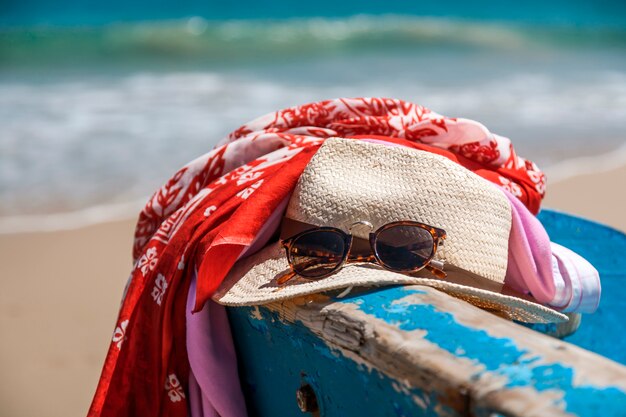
213	208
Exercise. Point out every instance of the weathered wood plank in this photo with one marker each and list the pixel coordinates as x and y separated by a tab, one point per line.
448	356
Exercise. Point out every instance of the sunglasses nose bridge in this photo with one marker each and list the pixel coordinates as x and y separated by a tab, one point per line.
361	223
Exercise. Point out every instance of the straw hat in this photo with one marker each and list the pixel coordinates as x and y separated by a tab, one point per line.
352	180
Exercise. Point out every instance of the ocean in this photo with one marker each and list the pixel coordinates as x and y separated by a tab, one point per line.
100	104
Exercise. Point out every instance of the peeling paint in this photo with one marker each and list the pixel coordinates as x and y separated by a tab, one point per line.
499	356
272	370
441	328
255	313
257	321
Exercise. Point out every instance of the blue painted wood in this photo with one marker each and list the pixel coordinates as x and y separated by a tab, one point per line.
603	332
276	358
277	355
500	356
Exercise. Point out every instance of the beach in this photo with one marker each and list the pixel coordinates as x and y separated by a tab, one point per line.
99	106
60	291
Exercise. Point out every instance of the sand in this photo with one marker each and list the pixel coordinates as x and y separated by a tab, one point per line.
59	294
599	196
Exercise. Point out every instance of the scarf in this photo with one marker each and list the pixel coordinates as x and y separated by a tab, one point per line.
210	211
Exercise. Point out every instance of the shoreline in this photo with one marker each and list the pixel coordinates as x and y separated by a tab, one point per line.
559	176
585	165
71	220
598	197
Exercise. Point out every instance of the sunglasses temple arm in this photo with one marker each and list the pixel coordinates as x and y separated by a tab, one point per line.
286	278
289	276
437	269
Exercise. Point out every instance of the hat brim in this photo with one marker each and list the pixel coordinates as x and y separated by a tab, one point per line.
253	281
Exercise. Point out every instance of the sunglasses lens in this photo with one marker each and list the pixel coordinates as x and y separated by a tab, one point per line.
317	254
404	247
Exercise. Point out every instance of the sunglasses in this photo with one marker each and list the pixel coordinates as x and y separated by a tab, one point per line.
403	246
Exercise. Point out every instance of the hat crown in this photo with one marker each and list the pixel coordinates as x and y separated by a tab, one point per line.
350	180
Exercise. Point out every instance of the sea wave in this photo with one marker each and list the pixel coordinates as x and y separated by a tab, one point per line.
200	41
73	144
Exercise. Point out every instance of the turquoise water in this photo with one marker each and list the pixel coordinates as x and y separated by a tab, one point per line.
100	103
197	43
79	12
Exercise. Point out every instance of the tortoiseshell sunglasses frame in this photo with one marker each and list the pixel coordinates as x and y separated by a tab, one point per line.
438	236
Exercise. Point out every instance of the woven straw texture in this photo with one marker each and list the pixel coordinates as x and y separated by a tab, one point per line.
253	282
349	180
